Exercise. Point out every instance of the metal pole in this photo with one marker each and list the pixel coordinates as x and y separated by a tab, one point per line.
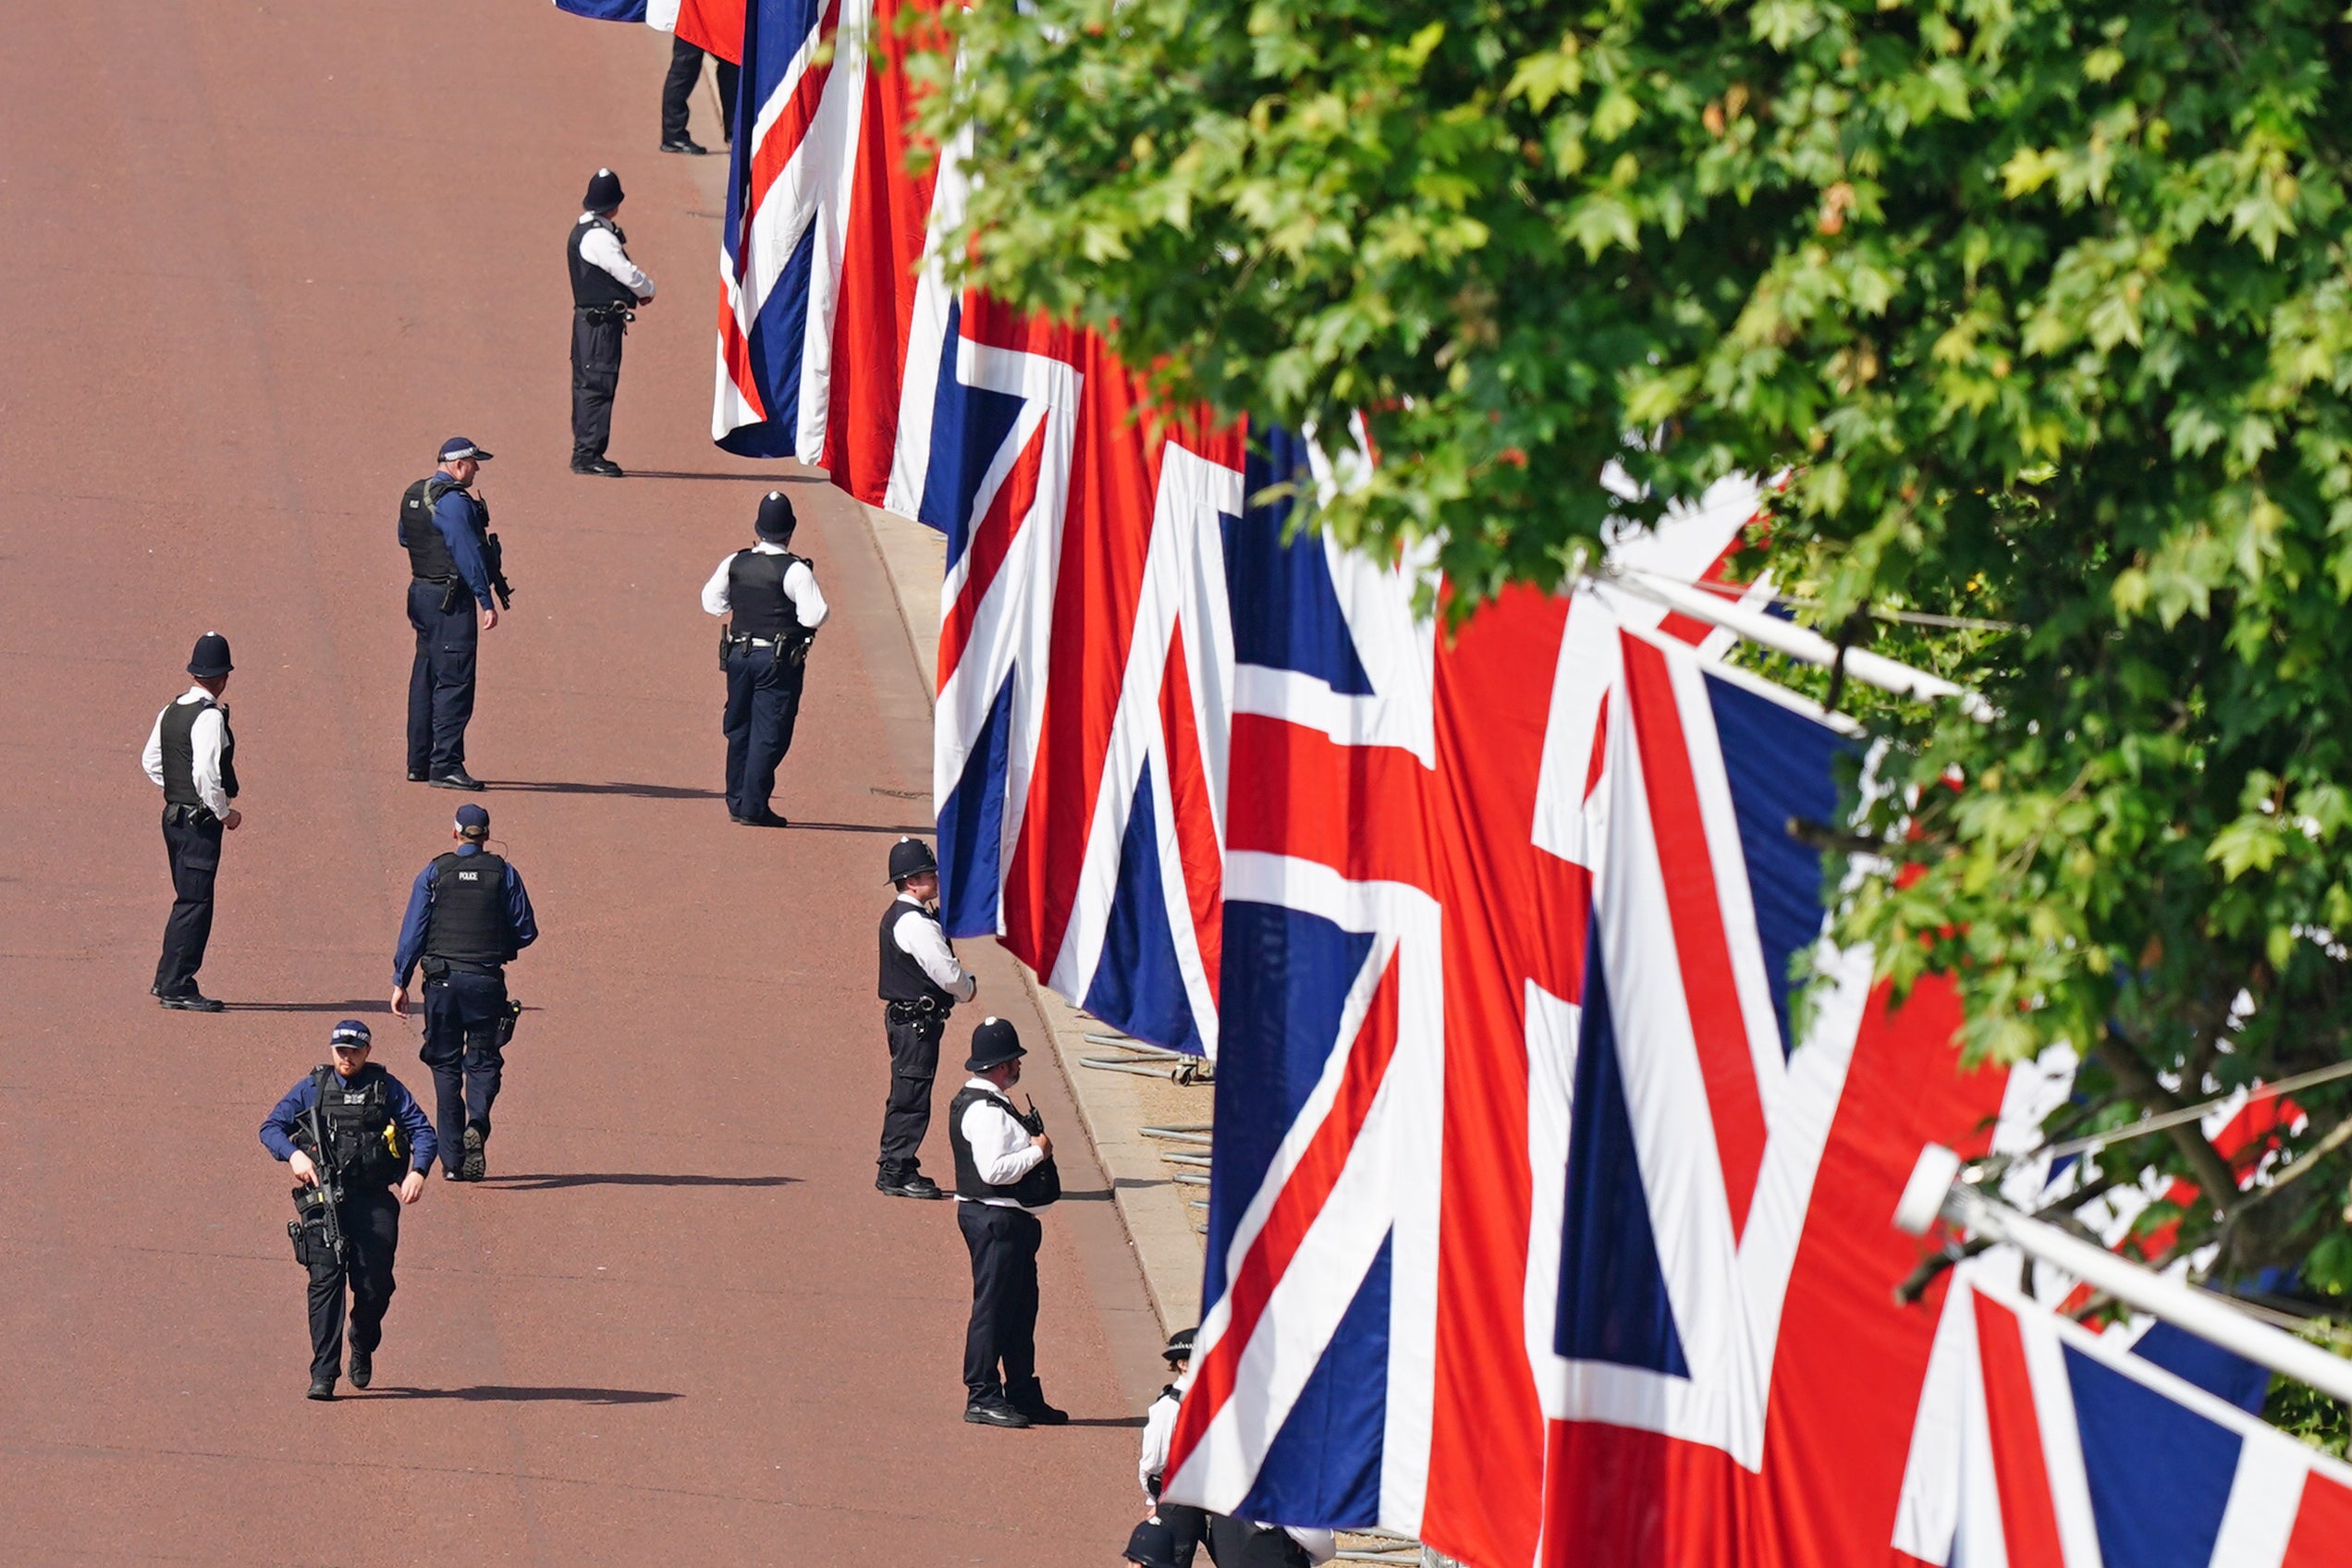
2201	1312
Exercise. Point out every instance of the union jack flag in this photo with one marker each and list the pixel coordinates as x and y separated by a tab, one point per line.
713	25
2044	1445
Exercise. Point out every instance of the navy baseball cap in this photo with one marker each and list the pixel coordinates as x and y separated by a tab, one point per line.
350	1035
473	818
458	446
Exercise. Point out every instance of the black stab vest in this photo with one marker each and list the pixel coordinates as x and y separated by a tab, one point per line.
902	978
467	922
591	284
428	557
755	598
1038	1186
179	741
363	1143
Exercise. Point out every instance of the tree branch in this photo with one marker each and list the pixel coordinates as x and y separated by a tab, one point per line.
2211	1171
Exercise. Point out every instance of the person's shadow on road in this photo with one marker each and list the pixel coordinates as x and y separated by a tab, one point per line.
501	1394
629	1179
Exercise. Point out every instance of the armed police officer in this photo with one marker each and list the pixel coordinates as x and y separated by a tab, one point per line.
772	596
920	984
192	753
454	569
1005	1178
356	1139
468	916
607	290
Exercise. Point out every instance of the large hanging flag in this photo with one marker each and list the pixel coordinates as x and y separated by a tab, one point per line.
716	25
2044	1445
1528	1188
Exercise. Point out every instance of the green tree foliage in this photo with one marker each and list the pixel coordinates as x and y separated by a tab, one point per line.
2046	305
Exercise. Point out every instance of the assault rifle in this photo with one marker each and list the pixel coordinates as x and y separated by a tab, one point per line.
318	1207
493	560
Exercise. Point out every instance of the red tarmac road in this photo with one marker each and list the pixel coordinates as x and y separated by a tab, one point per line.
262	257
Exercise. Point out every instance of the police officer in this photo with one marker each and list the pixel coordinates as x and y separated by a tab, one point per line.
678	88
446	528
468	915
605	287
773	597
192	755
1005	1178
377	1147
920	984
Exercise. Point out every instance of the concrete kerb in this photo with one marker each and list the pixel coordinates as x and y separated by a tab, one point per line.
1115	1106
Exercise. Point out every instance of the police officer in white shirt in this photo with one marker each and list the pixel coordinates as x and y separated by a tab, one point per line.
192	755
776	607
920	982
1005	1178
605	287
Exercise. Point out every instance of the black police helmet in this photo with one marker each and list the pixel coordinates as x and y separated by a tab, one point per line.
1151	1544
775	518
993	1044
210	661
1179	1346
910	857
604	192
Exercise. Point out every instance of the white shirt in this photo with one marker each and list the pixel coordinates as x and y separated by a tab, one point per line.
599	248
800	586
1000	1148
1160	1428
204	740
921	940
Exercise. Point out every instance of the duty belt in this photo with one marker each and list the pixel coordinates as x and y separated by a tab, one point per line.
916	1011
601	313
198	815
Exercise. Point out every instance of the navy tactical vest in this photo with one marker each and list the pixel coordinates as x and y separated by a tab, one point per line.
467	922
363	1143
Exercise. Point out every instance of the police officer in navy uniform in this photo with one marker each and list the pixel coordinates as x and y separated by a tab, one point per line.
920	984
772	596
378	1147
446	528
607	287
192	753
468	915
1005	1178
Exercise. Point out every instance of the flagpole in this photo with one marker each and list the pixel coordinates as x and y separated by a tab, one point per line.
1940	1187
1796	642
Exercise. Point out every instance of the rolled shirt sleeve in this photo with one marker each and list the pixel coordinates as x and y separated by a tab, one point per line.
599	249
920	939
716	599
204	744
151	759
1001	1149
808	600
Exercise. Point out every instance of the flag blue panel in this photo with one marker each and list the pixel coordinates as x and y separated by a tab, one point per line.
2159	1474
2205	1364
1323	1469
606	10
1286	613
1781	766
971	828
1286	980
779	340
1137	985
968	425
1614	1305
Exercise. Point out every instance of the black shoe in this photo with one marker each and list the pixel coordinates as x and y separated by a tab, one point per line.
451	1173
191	1001
363	1369
686	144
457	779
322	1388
419	776
764	819
597	468
994	1412
1038	1413
475	1166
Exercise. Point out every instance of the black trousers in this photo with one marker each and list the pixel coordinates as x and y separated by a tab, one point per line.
192	844
763	708
462	1014
441	681
1236	1543
371	1218
596	376
906	1115
1188	1524
1003	1332
677	90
